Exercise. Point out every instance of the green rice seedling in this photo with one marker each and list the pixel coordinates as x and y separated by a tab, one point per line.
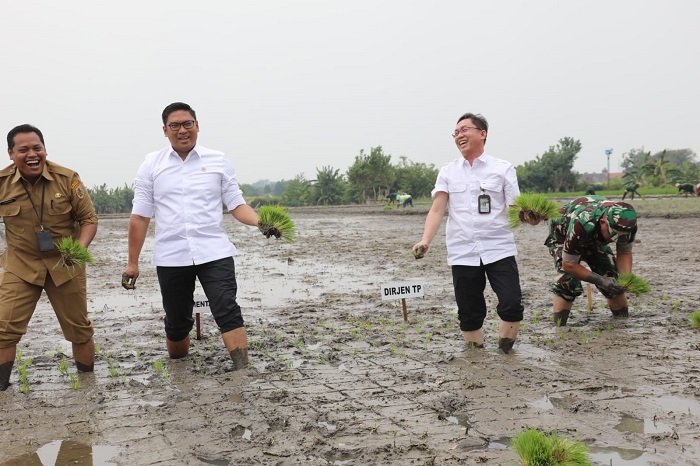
695	319
531	208
275	221
533	448
567	452
633	284
74	382
538	449
112	368
72	252
63	366
160	369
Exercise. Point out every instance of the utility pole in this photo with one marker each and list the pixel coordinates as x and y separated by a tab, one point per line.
608	153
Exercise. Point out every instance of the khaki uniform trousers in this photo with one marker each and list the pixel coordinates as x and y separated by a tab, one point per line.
18	300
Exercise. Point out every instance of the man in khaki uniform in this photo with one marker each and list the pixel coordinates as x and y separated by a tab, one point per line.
41	202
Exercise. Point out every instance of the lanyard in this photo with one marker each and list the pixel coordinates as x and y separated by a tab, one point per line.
39	215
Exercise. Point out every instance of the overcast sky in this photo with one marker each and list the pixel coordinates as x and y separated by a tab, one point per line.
285	87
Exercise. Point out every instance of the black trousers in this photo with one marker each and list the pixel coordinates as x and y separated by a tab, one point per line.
469	284
218	279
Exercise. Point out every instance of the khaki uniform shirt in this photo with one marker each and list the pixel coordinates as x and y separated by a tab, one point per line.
67	206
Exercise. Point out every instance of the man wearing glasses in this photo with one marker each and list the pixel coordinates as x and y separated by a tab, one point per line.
477	189
185	186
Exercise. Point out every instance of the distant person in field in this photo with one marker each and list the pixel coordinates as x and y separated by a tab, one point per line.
585	232
590	191
478	188
185	186
685	189
391	198
404	200
631	188
40	203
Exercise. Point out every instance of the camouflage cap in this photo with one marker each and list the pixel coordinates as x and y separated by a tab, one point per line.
622	219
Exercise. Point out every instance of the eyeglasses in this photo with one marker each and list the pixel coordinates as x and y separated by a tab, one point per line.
189	124
463	129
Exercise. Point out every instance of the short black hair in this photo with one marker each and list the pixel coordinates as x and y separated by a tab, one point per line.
174	107
478	120
25	128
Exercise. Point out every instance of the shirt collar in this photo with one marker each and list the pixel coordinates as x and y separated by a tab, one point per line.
194	152
45	173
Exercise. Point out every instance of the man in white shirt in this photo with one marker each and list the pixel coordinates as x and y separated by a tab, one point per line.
477	189
185	186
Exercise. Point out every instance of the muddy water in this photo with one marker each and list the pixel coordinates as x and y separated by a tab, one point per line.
338	378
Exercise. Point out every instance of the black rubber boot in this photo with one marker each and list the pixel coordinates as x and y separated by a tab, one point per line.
5	371
561	317
506	344
620	313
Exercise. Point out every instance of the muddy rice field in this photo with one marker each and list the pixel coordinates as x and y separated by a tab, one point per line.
337	377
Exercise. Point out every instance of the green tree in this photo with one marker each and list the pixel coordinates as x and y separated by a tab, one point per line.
553	170
297	192
329	186
371	174
417	179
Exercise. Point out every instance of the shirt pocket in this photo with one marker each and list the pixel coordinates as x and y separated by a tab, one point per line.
60	206
11	218
493	185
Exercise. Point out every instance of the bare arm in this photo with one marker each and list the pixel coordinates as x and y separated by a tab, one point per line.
432	221
624	261
138	228
246	215
87	234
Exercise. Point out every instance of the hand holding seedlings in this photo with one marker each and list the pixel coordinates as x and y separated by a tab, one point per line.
269	230
633	284
72	252
531	208
128	282
419	251
275	221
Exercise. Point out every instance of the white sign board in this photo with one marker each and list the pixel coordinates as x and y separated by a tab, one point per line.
201	304
402	289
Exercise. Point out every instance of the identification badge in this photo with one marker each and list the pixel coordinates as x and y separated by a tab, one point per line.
44	240
484	204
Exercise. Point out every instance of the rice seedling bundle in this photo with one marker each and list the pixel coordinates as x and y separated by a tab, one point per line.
275	221
531	208
538	449
72	252
633	284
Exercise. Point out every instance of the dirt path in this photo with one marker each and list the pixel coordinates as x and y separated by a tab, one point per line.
339	379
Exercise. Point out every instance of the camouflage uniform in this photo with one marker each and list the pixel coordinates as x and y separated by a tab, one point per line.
577	233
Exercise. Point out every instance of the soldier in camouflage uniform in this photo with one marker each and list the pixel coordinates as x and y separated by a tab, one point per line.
584	232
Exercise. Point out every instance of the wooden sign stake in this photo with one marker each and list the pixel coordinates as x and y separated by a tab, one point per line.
199	326
589	294
405	309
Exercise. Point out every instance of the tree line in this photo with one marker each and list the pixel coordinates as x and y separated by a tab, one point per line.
372	176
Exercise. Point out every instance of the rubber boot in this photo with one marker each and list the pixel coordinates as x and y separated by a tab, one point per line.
620	313
561	317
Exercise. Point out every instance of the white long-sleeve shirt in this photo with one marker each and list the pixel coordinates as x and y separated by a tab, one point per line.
472	237
187	198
